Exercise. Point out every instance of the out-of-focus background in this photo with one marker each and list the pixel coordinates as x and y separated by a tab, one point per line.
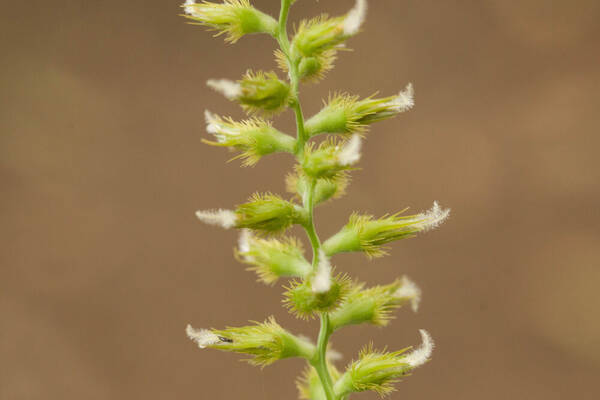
102	167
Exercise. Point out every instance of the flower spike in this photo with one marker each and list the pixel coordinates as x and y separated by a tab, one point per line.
321	173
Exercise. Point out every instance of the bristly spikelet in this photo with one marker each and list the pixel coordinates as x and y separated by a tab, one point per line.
331	157
317	41
318	34
257	92
374	305
267	342
369	235
233	18
380	370
263	92
377	371
323	33
302	301
313	69
345	114
374	233
310	69
254	137
325	189
272	259
269	214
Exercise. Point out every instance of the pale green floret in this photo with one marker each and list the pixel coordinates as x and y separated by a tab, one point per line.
254	137
269	213
317	40
374	370
310	69
369	235
346	114
315	68
305	302
318	35
322	33
379	370
234	18
325	189
331	158
374	305
267	342
263	92
272	259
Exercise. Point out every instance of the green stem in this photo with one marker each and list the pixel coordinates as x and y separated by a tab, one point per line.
319	361
283	16
284	44
309	205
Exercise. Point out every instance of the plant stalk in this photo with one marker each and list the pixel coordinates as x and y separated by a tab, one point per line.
319	362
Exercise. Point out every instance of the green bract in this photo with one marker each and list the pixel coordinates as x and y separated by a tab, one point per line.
273	258
254	137
269	213
345	114
364	233
374	305
374	370
310	69
267	342
264	92
331	158
325	189
234	18
302	300
321	173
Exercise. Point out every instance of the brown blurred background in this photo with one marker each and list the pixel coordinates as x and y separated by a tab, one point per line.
101	169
